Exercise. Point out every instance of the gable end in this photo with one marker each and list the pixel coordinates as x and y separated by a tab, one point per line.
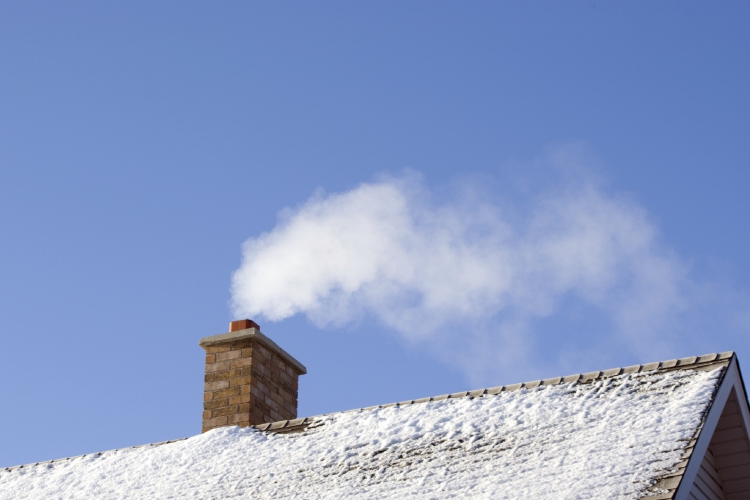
719	465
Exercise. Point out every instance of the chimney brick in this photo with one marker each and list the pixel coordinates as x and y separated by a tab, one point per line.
249	379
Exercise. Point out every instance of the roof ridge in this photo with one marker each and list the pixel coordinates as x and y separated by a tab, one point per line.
705	362
97	454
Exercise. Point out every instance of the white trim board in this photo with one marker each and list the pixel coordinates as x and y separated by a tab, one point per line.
731	384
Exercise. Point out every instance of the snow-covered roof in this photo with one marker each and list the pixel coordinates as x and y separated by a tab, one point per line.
622	433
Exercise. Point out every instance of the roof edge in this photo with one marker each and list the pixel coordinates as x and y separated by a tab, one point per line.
705	362
57	460
678	486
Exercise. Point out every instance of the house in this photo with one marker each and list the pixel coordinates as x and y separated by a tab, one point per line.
675	429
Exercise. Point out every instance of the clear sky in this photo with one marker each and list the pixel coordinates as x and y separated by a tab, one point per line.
436	197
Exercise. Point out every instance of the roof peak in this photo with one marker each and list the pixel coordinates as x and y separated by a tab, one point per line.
704	362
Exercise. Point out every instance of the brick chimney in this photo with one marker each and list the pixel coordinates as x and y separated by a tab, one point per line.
249	379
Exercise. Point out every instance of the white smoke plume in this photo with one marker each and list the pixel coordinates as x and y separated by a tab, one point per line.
490	271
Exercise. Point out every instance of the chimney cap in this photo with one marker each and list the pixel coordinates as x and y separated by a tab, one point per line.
243	324
252	331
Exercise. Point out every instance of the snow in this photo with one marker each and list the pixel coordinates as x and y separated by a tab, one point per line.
608	439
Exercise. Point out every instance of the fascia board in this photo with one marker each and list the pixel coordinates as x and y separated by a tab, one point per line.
742	399
731	380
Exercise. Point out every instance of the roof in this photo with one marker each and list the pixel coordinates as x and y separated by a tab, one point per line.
620	433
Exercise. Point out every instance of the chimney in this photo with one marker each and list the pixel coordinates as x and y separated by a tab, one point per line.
249	379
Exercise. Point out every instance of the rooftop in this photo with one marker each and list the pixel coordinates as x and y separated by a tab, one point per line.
620	433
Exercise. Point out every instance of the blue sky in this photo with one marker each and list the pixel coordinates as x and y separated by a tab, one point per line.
142	143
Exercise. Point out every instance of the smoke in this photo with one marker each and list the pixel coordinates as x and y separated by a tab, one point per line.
475	278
